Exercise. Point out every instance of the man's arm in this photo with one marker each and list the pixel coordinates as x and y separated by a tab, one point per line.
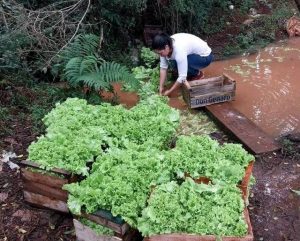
162	78
175	86
182	73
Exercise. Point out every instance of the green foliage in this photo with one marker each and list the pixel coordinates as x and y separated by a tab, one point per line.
11	54
5	117
200	156
98	229
149	80
97	74
120	182
82	65
82	46
194	209
4	114
149	58
78	132
261	32
198	17
122	14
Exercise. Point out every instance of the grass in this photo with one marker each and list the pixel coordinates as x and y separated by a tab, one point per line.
261	32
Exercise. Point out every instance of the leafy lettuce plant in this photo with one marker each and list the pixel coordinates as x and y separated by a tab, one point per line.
193	208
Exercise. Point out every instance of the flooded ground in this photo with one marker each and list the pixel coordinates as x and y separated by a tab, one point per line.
268	85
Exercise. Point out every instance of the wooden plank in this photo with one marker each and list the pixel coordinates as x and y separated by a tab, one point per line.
85	233
108	215
254	139
45	190
45	202
26	163
212	80
210	90
43	179
194	237
120	229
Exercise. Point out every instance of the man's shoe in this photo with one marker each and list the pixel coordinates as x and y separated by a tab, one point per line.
197	77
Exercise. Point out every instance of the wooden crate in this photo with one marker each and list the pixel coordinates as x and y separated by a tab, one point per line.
209	91
106	219
194	237
244	185
85	233
44	190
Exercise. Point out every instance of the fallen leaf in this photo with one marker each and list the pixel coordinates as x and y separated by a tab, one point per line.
21	230
296	191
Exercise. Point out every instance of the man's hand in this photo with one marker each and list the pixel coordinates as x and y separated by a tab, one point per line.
167	93
161	90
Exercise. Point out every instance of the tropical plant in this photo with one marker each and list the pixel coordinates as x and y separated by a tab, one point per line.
96	73
80	64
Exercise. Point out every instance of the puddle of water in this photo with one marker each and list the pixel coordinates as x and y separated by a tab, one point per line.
268	86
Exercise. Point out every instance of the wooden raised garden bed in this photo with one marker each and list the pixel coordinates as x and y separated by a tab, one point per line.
106	219
246	180
45	189
85	233
194	237
209	91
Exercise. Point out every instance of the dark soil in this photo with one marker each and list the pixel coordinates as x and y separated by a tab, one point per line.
274	207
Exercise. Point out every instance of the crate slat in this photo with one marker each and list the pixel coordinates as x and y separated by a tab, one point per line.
210	99
43	201
84	233
26	163
118	228
43	179
212	80
45	190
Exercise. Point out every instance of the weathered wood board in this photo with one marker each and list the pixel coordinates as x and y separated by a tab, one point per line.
199	93
254	139
194	237
84	233
118	227
44	190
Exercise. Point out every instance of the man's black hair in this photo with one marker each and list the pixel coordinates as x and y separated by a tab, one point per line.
161	40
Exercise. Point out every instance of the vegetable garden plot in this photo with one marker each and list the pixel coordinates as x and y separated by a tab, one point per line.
44	188
193	237
195	212
85	233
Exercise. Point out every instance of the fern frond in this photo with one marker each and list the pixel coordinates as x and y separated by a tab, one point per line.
83	45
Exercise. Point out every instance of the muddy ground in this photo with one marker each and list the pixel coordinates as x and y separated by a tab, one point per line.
274	207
